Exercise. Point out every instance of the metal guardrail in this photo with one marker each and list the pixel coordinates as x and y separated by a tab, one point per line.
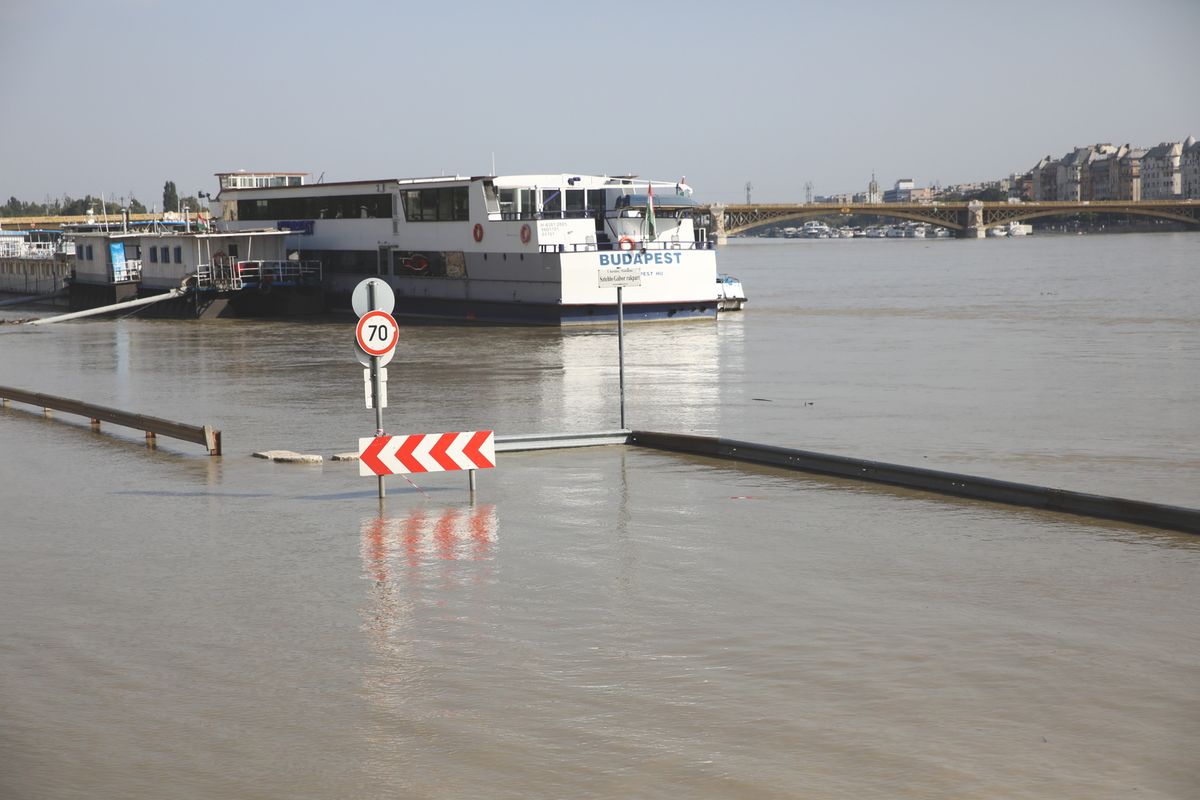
950	483
153	426
549	441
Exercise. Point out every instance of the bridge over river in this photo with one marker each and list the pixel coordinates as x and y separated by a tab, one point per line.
967	219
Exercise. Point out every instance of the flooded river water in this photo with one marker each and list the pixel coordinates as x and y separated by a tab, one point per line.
616	622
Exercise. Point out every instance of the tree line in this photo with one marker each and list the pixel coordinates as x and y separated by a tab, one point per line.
67	206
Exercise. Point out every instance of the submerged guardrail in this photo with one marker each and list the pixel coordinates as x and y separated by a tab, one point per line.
1120	509
153	426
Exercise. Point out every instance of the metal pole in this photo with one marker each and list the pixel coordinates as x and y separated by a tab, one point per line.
471	483
621	350
375	393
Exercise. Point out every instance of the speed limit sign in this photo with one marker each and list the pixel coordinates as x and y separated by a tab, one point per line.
376	333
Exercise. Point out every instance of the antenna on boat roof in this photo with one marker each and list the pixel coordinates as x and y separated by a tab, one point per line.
321	177
493	163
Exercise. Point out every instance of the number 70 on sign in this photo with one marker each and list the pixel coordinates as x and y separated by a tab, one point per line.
376	333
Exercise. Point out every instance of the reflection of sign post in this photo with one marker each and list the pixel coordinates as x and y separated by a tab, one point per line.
620	277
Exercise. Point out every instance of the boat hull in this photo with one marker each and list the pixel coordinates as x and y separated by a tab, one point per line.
550	288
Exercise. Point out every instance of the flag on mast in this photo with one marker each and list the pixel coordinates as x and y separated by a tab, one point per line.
650	226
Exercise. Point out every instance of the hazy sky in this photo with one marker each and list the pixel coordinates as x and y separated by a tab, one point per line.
122	95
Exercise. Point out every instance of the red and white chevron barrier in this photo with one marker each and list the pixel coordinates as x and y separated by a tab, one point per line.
426	452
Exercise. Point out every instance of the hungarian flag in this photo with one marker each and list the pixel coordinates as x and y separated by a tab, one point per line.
650	228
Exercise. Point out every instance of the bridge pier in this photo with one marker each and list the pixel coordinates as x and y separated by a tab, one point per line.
718	224
974	227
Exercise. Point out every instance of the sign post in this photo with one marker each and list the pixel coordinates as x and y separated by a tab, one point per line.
375	338
620	277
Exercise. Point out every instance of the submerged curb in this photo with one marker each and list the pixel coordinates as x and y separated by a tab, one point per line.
288	457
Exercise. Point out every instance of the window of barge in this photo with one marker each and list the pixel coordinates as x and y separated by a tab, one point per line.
348	206
443	204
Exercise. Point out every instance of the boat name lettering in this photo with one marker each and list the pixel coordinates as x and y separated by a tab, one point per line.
624	259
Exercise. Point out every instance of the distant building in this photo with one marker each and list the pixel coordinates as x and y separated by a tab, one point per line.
1022	187
1102	179
922	195
1129	175
1071	169
1044	177
1161	177
873	193
902	193
1189	169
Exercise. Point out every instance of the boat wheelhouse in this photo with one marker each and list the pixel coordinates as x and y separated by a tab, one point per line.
521	248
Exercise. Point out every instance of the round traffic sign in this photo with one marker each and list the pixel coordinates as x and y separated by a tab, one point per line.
372	294
376	333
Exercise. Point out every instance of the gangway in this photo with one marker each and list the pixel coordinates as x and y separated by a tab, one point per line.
141	301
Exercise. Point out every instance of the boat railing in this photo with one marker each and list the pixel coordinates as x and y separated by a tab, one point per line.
518	216
627	246
19	248
227	273
129	271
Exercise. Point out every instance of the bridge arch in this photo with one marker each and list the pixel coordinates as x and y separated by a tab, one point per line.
961	217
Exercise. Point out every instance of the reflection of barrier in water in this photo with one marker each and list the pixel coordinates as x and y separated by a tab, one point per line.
451	534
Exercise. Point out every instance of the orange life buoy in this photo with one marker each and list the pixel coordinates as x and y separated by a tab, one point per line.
526	234
478	232
624	241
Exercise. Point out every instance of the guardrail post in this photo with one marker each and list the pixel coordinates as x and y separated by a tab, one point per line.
212	440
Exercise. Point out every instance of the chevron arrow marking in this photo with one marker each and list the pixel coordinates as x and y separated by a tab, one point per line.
369	457
426	452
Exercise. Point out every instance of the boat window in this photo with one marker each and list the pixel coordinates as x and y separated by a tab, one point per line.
595	201
551	201
508	202
351	206
153	255
489	198
575	200
178	255
445	204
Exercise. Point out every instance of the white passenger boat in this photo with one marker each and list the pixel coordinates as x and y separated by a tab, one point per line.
814	229
518	248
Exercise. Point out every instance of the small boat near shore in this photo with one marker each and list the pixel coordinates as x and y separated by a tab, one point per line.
730	294
246	274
